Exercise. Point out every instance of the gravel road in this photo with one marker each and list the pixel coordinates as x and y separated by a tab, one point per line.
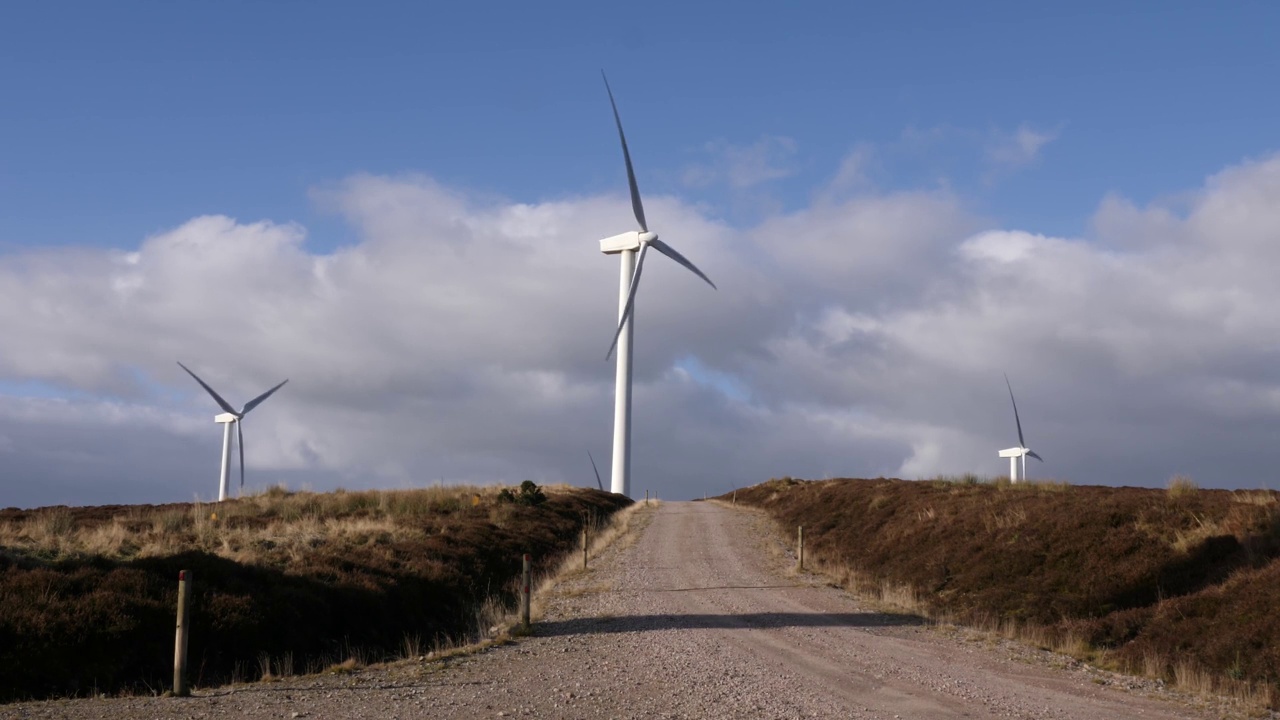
697	618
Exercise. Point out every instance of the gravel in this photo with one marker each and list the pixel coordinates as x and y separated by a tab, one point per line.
699	617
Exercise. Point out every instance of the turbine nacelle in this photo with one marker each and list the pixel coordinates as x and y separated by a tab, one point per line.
622	243
226	418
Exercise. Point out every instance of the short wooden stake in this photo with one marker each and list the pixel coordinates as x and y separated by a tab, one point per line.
524	595
800	547
584	547
646	497
180	639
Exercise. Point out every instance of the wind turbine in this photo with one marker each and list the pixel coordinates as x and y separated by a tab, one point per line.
599	484
229	418
1022	451
626	245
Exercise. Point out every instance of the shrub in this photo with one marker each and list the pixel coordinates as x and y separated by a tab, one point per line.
528	495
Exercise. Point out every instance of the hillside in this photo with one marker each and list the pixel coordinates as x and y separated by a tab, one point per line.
1180	583
283	582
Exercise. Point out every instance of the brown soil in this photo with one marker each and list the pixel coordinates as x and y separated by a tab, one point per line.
370	572
1149	579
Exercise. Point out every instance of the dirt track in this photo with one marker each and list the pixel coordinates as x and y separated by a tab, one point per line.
697	619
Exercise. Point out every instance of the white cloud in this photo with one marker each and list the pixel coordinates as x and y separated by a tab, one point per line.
771	157
464	339
1019	148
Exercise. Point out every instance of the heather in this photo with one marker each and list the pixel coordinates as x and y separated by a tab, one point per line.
1180	583
283	582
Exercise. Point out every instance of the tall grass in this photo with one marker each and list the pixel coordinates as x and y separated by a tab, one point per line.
1181	486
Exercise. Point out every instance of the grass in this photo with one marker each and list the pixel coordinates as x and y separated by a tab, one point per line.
1178	583
1181	486
282	582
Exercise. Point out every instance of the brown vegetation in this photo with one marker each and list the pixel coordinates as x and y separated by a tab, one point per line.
1180	583
284	582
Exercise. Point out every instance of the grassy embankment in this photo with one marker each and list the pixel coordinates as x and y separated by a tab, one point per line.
1181	584
283	582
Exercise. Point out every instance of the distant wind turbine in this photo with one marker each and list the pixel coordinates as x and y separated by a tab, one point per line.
228	418
599	483
1022	451
626	244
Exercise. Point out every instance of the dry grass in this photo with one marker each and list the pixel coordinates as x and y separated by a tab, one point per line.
1181	486
1184	540
257	529
1005	518
1263	498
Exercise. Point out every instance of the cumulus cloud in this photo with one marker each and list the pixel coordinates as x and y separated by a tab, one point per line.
462	339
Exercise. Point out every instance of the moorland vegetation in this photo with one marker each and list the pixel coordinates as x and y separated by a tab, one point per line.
1179	583
283	582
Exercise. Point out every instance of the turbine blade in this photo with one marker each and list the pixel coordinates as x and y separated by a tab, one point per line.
636	205
259	400
240	444
226	406
670	252
1034	455
599	482
1021	442
631	299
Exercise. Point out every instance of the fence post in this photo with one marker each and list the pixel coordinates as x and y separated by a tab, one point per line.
180	639
800	547
584	547
646	497
524	594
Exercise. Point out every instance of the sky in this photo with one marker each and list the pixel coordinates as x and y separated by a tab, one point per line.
397	206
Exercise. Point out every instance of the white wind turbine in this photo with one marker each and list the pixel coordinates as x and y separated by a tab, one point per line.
626	244
1022	451
228	418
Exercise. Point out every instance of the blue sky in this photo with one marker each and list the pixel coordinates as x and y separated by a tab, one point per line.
128	118
396	206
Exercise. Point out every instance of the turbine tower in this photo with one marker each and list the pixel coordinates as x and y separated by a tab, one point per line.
1022	451
227	419
626	245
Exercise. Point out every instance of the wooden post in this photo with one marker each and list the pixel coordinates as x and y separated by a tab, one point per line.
180	640
584	547
524	595
646	497
800	547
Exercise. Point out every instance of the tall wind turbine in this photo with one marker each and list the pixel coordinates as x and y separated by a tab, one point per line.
228	418
1022	451
626	244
